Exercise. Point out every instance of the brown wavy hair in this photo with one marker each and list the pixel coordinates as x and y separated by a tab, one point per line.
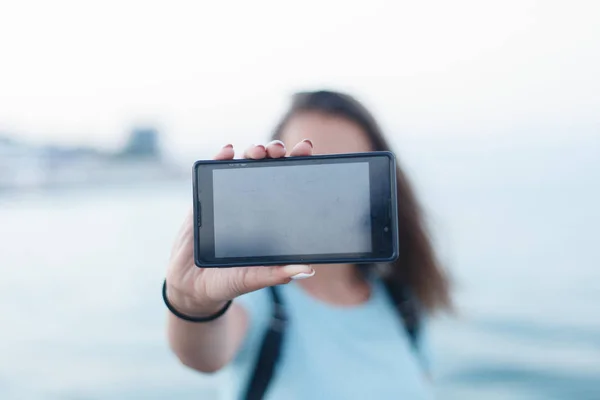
418	266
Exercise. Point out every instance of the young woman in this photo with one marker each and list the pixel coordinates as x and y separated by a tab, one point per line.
325	331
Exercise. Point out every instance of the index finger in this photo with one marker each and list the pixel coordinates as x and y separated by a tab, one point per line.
304	148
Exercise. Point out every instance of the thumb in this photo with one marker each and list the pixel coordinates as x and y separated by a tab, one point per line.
296	271
278	275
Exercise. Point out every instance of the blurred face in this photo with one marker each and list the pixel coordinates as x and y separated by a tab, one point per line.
329	134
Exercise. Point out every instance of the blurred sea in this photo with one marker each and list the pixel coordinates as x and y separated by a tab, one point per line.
81	316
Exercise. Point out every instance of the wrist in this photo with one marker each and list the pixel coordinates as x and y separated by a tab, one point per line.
192	306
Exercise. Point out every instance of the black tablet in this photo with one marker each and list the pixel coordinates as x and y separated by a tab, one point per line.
323	209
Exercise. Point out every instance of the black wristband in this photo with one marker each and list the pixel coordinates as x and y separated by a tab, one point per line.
187	317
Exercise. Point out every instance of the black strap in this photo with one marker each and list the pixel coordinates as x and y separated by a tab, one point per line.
270	349
407	308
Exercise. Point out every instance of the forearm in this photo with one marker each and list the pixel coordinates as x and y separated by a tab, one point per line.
208	346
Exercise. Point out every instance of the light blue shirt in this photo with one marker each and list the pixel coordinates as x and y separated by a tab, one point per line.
330	352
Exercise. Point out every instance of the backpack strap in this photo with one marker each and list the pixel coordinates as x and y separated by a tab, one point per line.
407	308
270	350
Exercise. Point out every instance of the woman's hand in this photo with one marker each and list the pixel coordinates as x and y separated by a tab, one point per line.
203	291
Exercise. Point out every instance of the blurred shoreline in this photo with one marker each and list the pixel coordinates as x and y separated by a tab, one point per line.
33	168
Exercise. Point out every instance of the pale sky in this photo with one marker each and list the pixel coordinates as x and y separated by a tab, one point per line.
220	71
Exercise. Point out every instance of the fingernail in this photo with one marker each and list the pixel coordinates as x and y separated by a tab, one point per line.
298	269
276	143
261	147
310	143
228	146
302	275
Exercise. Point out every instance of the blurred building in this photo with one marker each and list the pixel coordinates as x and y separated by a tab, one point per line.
27	166
142	143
